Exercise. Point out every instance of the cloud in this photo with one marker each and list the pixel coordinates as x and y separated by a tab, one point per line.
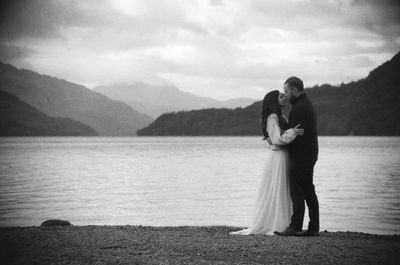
216	2
381	13
36	18
50	19
11	54
213	48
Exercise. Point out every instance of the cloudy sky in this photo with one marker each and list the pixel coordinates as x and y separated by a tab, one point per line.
216	48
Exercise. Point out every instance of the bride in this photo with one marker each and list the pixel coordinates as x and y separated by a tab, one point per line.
273	206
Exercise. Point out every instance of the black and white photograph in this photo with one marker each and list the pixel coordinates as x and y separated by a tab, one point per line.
199	132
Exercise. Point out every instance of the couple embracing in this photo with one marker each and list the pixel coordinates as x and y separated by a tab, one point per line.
287	182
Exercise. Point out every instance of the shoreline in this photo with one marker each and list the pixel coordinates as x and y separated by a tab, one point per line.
188	245
234	228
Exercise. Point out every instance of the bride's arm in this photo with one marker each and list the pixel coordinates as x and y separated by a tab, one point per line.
274	132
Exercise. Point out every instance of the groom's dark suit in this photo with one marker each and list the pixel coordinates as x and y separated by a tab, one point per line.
303	153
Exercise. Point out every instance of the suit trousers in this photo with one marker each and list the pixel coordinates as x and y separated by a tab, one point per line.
302	189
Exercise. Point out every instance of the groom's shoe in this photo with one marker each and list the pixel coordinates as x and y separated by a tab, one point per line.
310	233
288	232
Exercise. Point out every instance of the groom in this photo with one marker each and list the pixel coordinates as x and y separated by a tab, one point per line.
303	152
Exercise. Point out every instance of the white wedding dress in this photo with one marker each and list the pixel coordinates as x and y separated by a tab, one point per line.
273	206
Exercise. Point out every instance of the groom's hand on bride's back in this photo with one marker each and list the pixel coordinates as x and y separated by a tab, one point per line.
269	140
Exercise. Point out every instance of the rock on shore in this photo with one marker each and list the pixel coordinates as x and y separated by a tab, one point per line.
56	222
188	245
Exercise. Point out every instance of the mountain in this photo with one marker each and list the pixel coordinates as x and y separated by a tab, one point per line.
60	98
369	106
20	119
155	99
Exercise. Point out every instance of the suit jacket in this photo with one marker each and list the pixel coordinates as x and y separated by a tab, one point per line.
304	149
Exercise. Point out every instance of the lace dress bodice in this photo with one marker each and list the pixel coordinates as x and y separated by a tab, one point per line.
278	139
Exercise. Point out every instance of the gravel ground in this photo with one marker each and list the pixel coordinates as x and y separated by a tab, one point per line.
188	245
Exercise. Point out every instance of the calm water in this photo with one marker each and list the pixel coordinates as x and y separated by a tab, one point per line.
167	181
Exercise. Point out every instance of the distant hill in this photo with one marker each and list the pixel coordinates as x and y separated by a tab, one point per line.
206	122
369	106
60	98
156	99
20	119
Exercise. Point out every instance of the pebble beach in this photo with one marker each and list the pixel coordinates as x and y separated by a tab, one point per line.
188	245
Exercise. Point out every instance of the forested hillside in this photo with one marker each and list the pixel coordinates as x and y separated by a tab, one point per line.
17	118
60	98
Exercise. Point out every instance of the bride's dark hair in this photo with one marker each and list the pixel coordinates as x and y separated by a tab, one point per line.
270	105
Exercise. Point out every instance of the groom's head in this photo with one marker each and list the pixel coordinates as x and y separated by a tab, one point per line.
293	88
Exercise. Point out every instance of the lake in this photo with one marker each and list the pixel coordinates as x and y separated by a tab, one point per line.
176	181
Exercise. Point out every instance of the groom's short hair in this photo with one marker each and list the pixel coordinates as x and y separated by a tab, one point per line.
295	82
